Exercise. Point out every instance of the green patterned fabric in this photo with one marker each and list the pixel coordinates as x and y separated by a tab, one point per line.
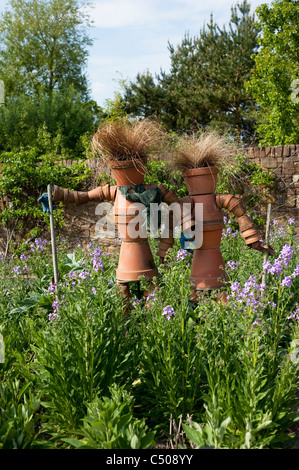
144	196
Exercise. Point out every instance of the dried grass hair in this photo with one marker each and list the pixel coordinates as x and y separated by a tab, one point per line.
209	149
124	140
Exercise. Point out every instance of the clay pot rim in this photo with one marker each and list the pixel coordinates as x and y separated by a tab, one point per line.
205	170
133	163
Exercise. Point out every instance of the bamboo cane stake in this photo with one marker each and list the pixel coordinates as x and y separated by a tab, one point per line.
53	239
267	236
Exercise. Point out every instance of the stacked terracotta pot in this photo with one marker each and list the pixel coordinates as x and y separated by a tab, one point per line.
207	271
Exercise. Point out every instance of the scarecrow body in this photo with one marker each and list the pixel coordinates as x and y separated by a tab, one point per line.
135	258
207	270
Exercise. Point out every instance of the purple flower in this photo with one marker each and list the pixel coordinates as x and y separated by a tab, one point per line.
248	295
286	254
84	275
52	315
150	297
283	259
291	221
136	302
181	254
23	257
287	281
51	288
296	271
232	264
235	287
56	304
97	264
94	290
72	274
40	244
168	311
96	260
16	270
294	315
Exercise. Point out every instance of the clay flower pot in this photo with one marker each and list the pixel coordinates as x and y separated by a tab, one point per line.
201	180
207	270
135	257
128	172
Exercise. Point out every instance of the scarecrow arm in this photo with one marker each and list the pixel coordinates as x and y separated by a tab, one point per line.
101	193
246	226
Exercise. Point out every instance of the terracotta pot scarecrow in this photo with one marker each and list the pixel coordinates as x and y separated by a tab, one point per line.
125	146
198	159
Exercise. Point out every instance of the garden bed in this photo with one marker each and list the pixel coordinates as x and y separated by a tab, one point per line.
78	374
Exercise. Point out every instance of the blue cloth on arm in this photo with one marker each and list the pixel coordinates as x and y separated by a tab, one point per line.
183	240
45	202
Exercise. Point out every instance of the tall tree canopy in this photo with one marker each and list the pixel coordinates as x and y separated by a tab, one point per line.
43	59
206	82
43	46
275	79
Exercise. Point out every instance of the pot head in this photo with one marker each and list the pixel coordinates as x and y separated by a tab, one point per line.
128	172
201	180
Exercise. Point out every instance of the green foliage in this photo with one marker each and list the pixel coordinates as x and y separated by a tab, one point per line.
25	176
205	85
115	108
17	416
243	172
65	116
274	80
110	424
159	172
207	436
79	374
249	180
44	46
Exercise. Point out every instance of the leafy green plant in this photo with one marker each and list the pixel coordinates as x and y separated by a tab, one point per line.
232	369
76	358
206	436
25	175
110	424
18	408
159	172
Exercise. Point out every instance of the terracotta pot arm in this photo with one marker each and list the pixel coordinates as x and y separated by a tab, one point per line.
99	194
246	226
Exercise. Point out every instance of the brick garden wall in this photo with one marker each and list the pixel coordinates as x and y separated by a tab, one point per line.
283	161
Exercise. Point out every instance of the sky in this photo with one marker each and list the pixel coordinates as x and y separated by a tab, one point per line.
132	36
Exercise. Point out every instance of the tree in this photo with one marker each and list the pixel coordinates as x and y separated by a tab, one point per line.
43	56
43	46
64	114
274	81
205	85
